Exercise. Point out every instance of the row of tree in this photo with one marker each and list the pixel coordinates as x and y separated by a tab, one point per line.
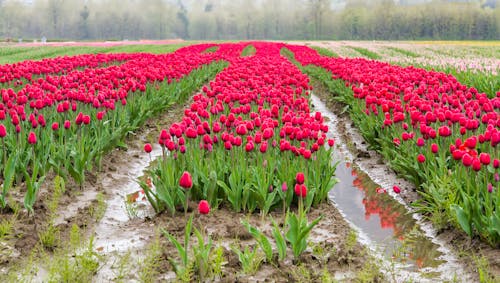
246	19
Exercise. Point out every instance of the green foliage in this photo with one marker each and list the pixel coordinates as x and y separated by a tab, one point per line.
298	232
182	249
7	226
49	237
324	51
280	241
403	51
249	50
369	273
8	176
250	260
122	265
366	53
150	266
79	267
97	210
211	49
201	255
261	239
217	260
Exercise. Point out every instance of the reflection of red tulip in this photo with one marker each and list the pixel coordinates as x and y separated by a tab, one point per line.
396	189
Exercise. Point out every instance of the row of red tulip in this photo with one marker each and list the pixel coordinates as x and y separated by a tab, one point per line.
82	99
257	112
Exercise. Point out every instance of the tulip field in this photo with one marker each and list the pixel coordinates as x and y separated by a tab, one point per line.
248	139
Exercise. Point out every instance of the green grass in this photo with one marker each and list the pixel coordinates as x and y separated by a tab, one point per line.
366	53
324	51
249	50
403	51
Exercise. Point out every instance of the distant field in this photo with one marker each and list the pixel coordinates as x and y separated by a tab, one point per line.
474	63
12	53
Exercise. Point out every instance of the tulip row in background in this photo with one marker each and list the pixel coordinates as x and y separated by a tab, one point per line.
436	132
475	64
248	141
62	114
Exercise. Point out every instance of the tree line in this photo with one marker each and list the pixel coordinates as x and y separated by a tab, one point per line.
247	19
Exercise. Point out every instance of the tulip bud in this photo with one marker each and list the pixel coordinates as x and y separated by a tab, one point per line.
203	207
32	138
186	181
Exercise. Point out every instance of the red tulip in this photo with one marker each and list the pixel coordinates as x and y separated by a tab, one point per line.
86	119
496	163
434	148
299	178
249	146
3	131
186	181
100	115
300	190
241	130
331	142
148	148
467	160
476	164
263	147
307	154
55	126
420	142
203	207
32	138
484	158
396	141
421	158
67	124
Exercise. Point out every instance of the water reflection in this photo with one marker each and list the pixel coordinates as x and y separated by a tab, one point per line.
386	222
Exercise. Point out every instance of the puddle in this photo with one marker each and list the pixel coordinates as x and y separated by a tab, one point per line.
116	233
405	245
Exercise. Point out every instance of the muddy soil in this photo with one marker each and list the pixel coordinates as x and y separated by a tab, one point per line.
329	247
371	162
117	233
